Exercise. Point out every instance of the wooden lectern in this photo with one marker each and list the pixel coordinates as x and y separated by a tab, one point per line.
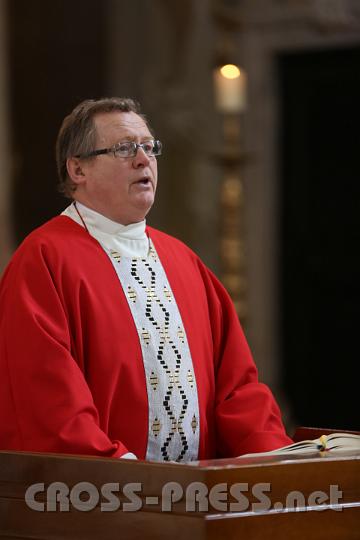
211	505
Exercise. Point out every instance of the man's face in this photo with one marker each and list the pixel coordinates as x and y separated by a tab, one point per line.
122	189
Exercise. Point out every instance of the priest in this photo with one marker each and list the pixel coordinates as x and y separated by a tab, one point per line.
115	339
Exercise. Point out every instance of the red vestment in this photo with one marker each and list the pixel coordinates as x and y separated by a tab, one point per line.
72	375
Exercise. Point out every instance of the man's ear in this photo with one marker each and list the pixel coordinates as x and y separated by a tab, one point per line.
75	170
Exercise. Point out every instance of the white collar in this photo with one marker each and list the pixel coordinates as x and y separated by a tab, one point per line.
128	240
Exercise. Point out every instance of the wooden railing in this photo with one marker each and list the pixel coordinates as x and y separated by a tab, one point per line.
232	499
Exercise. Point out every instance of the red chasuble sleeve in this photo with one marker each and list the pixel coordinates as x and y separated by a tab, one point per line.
45	402
247	417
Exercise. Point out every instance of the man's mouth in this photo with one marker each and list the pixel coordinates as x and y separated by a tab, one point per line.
145	181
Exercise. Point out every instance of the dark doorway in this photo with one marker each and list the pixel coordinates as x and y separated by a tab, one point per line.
320	224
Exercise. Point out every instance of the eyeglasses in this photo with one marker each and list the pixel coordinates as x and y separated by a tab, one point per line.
128	149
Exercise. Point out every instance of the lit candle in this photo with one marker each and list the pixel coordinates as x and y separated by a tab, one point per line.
230	89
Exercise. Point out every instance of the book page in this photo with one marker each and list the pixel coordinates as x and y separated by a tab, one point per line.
335	442
343	441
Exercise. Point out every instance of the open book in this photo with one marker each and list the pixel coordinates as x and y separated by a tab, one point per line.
335	442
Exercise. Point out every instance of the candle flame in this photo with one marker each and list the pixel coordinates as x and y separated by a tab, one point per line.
230	71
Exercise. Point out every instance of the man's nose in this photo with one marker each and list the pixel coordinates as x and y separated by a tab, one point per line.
141	159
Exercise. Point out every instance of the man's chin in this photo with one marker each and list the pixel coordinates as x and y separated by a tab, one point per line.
145	202
140	211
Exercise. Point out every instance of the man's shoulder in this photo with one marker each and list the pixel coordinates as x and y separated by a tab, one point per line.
59	227
57	236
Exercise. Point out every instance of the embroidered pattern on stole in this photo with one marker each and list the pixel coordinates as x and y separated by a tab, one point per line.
173	431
